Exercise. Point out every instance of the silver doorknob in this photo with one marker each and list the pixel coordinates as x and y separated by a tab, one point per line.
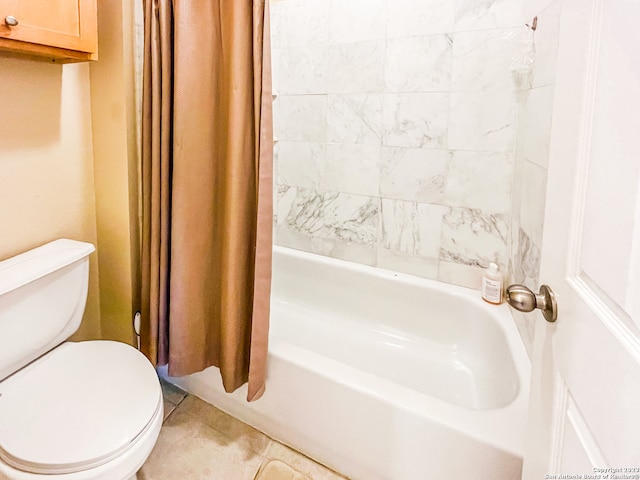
11	20
524	300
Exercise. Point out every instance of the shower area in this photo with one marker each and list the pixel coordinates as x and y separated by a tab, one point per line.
411	136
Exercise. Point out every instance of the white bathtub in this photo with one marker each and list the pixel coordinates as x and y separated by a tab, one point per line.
381	375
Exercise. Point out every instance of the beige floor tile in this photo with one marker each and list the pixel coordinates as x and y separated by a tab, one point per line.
168	408
299	462
189	449
171	393
232	427
277	470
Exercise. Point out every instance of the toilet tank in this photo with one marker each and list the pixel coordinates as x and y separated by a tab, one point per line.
43	293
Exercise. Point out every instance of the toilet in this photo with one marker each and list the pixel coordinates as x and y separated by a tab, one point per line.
68	410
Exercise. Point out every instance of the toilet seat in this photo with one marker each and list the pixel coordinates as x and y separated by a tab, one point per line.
78	407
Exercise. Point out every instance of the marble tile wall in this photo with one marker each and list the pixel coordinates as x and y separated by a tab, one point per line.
535	108
397	133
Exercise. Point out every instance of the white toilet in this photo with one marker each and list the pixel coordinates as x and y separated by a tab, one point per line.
68	411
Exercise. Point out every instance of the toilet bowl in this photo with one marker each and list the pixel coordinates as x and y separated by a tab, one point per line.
68	410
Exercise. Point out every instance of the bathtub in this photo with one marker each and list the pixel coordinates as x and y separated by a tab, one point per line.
386	376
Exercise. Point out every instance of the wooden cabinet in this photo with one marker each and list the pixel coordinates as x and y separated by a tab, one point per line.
59	30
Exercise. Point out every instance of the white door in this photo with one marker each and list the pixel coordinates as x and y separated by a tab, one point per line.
585	403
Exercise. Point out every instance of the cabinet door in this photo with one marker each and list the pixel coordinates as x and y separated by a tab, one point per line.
66	24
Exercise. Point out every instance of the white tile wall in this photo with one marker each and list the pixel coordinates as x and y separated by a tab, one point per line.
418	64
473	237
402	125
415	119
299	23
534	124
484	121
413	174
481	180
300	118
353	169
302	69
547	35
408	228
356	20
406	18
355	118
301	164
486	14
356	67
535	109
533	187
483	60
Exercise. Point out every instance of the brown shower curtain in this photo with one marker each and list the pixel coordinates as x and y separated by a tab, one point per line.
207	188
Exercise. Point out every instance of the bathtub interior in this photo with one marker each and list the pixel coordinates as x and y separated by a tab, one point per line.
436	340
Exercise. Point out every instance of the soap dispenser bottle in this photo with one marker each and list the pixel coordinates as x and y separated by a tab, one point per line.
492	285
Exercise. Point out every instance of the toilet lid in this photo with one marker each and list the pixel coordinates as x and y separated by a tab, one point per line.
76	407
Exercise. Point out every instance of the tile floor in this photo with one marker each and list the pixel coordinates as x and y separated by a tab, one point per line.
200	442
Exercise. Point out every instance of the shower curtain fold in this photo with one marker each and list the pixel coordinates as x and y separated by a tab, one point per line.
207	188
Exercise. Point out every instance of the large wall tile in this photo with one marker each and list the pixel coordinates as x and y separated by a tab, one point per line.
301	70
352	252
484	60
356	67
353	169
472	237
516	189
535	108
479	180
415	119
275	71
300	241
534	7
283	202
356	20
527	268
512	250
482	121
546	39
460	274
355	118
413	174
418	64
351	218
483	14
419	17
300	118
411	229
534	186
301	164
299	23
423	267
